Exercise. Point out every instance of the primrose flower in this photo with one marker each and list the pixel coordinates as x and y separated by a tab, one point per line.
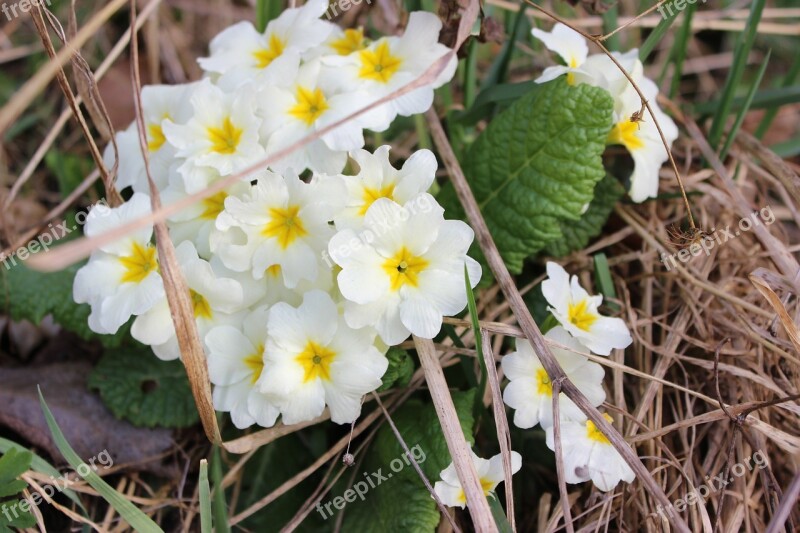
490	472
314	358
571	47
221	135
577	312
530	392
240	53
121	278
641	138
235	364
588	454
308	105
214	299
160	104
390	63
280	222
341	42
377	178
405	270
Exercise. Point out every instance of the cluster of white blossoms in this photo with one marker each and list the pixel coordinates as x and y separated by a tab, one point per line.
639	137
299	284
586	451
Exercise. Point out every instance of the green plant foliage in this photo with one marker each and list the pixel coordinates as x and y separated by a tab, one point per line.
578	234
140	388
401	502
401	368
536	165
13	463
32	295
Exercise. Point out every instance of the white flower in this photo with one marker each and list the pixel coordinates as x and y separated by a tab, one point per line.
279	222
304	105
240	53
121	278
222	134
571	46
313	358
391	63
340	42
405	270
588	454
160	104
530	391
214	298
235	363
377	178
572	306
490	472
641	138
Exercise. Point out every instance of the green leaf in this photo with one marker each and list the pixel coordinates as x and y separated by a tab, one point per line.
605	283
205	499
476	328
218	503
401	368
14	463
499	515
536	165
26	299
140	388
578	234
401	502
129	512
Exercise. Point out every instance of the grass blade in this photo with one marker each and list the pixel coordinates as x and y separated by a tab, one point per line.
742	52
745	108
772	112
679	49
473	316
655	37
129	512
604	282
205	499
218	503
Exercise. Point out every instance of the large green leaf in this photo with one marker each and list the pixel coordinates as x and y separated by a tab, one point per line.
578	234
536	165
401	502
13	463
140	388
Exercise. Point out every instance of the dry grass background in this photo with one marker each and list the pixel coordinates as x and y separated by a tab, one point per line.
713	375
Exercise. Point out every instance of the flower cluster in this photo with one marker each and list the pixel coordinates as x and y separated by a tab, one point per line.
300	276
637	133
587	452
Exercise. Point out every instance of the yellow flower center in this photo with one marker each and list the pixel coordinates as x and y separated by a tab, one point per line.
139	264
310	105
370	195
580	316
379	65
404	268
267	55
316	361
573	63
284	225
224	139
626	133
352	41
214	205
255	362
201	307
156	137
595	434
274	271
545	387
487	486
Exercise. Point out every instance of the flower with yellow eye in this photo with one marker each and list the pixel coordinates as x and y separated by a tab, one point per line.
377	178
571	47
588	454
121	278
235	364
215	300
240	53
313	359
280	221
222	134
404	270
577	312
530	392
490	472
